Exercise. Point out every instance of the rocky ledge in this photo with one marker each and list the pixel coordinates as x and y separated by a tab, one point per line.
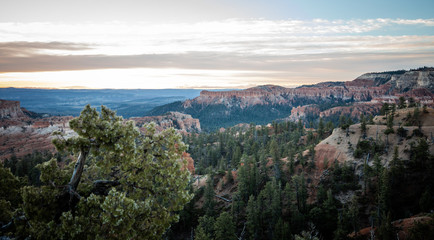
179	121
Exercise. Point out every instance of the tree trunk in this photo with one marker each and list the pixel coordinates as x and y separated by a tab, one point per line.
78	170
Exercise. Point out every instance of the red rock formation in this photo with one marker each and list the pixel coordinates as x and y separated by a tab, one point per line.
418	84
354	111
23	137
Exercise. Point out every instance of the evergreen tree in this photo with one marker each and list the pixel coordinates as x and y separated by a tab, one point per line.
385	109
299	186
389	129
209	195
236	157
386	230
402	103
224	227
205	228
9	194
281	230
122	185
321	128
229	177
277	165
411	102
252	213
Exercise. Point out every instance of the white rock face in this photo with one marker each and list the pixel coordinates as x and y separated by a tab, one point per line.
405	81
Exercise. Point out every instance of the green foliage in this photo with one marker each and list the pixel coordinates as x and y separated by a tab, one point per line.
205	228
343	178
385	109
229	177
252	218
9	194
215	116
25	167
209	194
363	127
386	230
413	119
419	154
389	129
132	184
281	230
402	132
224	227
402	103
364	147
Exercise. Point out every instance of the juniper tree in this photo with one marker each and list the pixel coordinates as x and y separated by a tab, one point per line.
122	185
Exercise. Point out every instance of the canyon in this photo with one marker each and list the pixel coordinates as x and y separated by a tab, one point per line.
22	132
264	104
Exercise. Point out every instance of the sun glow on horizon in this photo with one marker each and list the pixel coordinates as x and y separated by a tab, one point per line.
231	53
136	78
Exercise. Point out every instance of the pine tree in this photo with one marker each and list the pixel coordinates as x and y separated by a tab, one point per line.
281	230
209	195
321	128
402	103
236	157
277	165
252	212
205	228
224	227
229	177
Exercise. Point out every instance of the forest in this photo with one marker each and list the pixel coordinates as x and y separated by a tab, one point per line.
259	183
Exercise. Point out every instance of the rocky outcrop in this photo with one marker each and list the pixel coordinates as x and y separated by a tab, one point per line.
301	112
340	145
179	121
354	111
20	138
403	81
10	110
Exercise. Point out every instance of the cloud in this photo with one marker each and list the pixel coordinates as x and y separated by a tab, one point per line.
257	50
275	54
22	48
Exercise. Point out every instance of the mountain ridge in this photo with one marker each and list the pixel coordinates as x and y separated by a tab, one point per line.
277	102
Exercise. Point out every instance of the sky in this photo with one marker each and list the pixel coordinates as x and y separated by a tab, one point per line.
208	44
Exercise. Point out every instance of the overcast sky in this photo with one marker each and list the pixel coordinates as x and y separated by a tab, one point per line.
208	44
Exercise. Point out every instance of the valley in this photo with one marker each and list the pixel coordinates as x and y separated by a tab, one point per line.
340	160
